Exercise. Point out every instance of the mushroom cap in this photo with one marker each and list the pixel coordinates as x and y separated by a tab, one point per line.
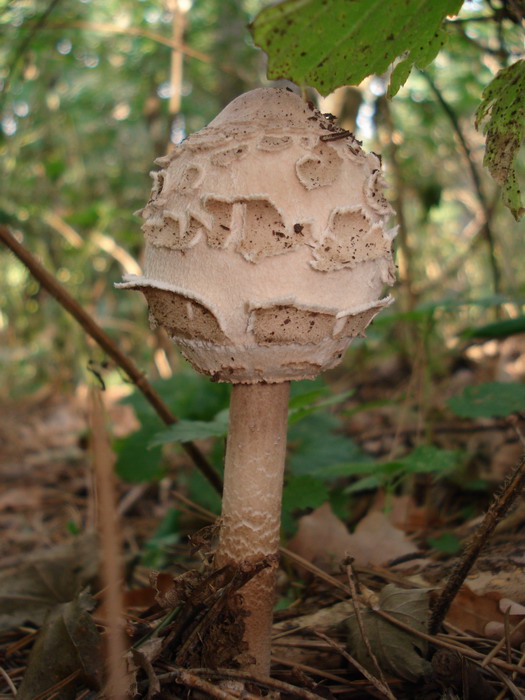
267	247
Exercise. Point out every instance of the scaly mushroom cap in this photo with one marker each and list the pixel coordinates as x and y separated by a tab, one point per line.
266	241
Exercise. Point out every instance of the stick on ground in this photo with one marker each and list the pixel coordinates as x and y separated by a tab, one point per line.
511	489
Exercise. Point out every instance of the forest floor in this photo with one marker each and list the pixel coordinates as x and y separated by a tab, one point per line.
343	628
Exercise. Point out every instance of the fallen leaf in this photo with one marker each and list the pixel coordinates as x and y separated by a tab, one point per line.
323	539
21	498
485	614
514	612
404	514
67	642
29	592
397	651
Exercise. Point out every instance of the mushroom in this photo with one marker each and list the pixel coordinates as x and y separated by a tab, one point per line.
267	250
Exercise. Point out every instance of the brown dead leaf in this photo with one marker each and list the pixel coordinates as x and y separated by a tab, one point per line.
404	514
485	614
30	591
515	614
322	538
471	612
67	642
21	498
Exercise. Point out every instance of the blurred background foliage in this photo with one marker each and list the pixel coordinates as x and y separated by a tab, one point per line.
92	92
91	96
85	109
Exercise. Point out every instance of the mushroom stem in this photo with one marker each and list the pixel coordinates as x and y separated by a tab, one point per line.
251	505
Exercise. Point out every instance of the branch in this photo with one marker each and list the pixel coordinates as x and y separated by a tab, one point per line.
39	24
101	338
476	179
512	488
174	44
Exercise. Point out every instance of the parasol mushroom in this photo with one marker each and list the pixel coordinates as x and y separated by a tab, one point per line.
267	250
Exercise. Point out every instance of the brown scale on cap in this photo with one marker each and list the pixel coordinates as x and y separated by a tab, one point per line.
288	324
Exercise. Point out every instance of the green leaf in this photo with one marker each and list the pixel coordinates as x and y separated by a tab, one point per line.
499	329
446	542
334	471
188	394
156	549
428	459
503	102
301	492
489	400
315	446
367	483
135	462
329	44
304	492
188	430
308	404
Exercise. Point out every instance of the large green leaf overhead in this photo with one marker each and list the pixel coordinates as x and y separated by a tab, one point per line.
504	104
329	43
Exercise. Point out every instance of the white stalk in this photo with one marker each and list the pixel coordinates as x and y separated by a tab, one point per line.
251	505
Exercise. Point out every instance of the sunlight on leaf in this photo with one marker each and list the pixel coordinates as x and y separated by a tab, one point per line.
330	44
504	104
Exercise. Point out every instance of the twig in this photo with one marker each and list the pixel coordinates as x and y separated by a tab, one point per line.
476	179
111	550
312	568
380	682
50	693
441	641
512	487
227	674
39	24
520	663
307	669
507	685
8	680
192	681
381	686
99	336
132	31
105	27
513	422
497	647
406	257
178	25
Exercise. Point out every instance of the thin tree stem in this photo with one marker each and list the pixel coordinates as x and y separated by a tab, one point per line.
476	179
512	488
101	338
